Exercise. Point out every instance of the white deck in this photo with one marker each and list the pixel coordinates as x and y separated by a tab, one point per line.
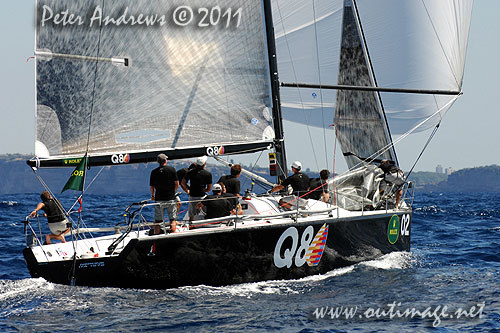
259	212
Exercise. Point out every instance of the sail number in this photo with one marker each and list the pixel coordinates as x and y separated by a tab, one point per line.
405	225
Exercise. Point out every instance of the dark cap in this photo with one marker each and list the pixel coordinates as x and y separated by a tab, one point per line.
161	158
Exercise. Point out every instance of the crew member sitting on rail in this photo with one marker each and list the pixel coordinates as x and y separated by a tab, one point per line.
300	185
216	204
58	224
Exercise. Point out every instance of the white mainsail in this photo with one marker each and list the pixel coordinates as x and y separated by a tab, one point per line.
158	87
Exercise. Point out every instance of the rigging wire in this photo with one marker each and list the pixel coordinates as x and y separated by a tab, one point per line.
92	101
381	110
319	79
73	236
423	149
298	89
253	167
46	187
404	136
333	167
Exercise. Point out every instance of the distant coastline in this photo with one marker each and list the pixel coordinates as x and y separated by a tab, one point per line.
17	177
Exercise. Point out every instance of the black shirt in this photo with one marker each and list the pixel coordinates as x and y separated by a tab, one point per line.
181	173
231	183
314	186
52	209
388	167
198	181
163	180
217	206
299	183
231	198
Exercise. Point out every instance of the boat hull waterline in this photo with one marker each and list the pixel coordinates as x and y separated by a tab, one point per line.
224	256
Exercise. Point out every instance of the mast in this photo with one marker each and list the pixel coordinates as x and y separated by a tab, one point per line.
279	143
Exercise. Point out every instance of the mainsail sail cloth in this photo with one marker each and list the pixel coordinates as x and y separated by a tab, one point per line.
124	88
417	45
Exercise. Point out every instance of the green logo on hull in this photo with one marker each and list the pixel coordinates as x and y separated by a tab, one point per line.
393	229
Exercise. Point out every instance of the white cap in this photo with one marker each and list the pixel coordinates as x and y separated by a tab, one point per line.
297	165
216	188
201	160
161	158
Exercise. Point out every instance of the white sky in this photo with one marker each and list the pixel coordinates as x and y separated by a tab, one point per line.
468	136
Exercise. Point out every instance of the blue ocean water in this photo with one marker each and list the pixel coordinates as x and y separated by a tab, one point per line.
454	263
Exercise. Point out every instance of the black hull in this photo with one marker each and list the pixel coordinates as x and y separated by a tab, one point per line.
231	256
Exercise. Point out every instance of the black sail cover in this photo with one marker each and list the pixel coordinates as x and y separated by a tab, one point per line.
132	76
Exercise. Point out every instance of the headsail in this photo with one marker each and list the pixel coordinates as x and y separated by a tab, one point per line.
410	45
134	90
359	116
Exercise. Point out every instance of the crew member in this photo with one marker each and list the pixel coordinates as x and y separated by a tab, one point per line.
393	180
231	182
181	173
58	224
164	184
200	182
299	183
233	199
319	187
216	204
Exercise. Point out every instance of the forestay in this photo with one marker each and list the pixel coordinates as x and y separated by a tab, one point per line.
124	88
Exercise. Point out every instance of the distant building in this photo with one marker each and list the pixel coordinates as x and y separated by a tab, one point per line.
449	171
439	169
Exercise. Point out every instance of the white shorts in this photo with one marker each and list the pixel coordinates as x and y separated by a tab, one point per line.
58	228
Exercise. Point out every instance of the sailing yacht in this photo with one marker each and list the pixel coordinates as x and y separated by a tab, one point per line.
224	80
